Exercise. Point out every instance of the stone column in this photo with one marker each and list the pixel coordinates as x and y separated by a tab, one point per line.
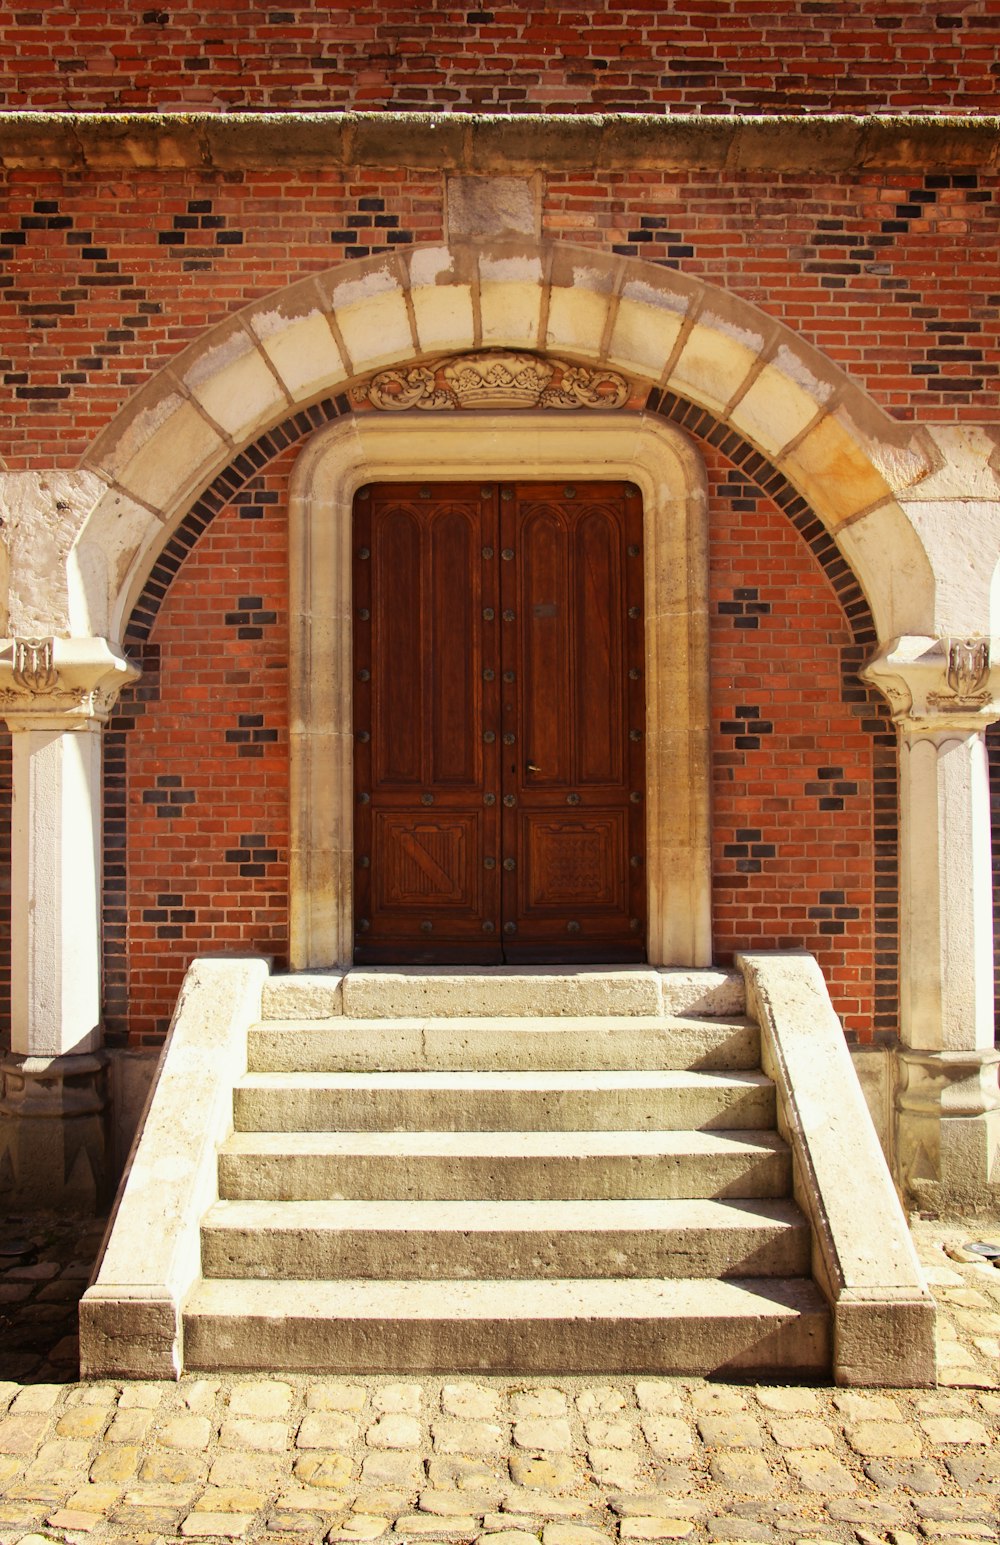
943	693
55	695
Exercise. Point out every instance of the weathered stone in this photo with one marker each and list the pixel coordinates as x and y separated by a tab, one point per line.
656	1528
460	1471
336	1397
145	1396
572	1534
533	1403
817	1470
884	1440
83	1422
334	1471
173	1468
449	1503
199	1394
283	1520
191	1432
358	1526
60	1460
668	1437
425	1524
856	1407
231	1499
508	1537
801	1432
243	1432
610	1434
548	1435
718	1400
22	1434
551	1474
791	1400
910	1477
660	1397
116	1464
615	1467
392	1468
394	1431
227	1526
465	1437
471	1402
37	1397
398	1398
730	1432
740	1471
605	1400
131	1426
262	1471
949	1429
266	1399
327	1429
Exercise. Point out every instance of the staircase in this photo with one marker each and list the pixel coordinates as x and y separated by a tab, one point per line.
505	1172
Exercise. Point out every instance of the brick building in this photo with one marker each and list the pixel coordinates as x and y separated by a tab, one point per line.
740	260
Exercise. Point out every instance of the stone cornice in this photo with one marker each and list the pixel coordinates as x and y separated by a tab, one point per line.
487	144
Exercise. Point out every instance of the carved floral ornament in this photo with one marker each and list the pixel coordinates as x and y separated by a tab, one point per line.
939	683
495	380
63	680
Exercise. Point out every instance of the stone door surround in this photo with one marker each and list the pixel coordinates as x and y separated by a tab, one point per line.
374	448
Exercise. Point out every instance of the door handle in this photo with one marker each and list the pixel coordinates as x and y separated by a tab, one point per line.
532	767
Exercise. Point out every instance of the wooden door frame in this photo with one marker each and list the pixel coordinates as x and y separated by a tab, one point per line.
366	448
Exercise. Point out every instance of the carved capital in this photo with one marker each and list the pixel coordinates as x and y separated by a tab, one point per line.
935	685
60	683
494	380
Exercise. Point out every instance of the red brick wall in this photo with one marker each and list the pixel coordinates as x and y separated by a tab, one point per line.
204	817
104	280
197	757
792	763
655	56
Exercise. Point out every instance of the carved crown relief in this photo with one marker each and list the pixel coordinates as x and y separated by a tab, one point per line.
968	667
494	380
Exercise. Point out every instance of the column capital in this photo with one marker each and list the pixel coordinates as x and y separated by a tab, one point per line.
61	683
938	685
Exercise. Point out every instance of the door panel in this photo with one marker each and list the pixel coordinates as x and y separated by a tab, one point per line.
499	723
423	626
574	883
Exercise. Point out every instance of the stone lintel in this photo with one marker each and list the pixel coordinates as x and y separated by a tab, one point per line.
60	683
938	687
487	144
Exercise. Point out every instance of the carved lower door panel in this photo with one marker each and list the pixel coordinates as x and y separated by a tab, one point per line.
499	723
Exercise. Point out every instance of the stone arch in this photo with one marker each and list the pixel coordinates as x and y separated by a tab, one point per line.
663	329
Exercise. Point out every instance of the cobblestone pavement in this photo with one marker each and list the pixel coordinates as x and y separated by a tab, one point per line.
574	1461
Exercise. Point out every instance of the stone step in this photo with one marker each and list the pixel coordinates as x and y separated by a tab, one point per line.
405	992
394	992
505	1101
304	1166
436	1240
740	1328
580	1042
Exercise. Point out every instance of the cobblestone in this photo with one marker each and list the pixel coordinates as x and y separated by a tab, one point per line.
574	1461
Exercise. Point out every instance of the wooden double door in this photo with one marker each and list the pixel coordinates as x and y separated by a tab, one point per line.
499	723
